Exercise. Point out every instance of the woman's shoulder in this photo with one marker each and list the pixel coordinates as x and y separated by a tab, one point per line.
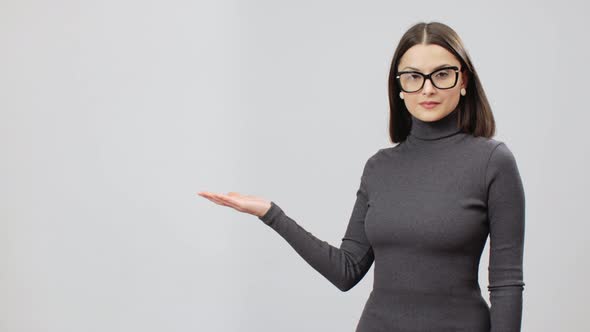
495	152
383	153
375	158
487	142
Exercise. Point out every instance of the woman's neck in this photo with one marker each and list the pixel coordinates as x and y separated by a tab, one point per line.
435	130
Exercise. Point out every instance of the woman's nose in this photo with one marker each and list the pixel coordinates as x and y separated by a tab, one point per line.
428	87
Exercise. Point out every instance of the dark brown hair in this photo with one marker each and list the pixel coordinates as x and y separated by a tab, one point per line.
475	113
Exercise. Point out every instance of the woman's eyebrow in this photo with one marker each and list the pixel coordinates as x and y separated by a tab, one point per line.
435	68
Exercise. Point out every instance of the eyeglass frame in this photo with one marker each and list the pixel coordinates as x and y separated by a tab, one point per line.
427	77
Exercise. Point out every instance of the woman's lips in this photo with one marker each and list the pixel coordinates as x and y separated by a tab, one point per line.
429	105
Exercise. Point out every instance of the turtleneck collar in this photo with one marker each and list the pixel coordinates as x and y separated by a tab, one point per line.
435	130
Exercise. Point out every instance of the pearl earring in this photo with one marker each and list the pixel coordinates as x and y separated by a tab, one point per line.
401	95
463	92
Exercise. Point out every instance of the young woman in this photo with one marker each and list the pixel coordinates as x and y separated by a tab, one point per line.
425	207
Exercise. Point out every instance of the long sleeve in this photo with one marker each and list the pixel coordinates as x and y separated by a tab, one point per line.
506	216
345	266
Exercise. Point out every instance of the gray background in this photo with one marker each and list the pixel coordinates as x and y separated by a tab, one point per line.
115	113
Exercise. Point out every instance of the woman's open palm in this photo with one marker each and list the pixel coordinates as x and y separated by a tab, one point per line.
244	203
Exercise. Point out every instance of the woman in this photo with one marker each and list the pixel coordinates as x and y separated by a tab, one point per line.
425	207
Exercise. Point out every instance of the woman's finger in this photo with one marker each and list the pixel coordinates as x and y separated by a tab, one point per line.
228	199
213	198
232	201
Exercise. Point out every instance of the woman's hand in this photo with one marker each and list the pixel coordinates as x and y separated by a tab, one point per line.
244	203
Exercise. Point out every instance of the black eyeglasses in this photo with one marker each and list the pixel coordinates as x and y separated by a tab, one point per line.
443	78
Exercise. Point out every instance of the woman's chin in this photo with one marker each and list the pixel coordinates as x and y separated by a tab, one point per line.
432	114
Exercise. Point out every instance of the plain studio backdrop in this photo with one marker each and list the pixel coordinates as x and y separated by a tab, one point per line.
114	114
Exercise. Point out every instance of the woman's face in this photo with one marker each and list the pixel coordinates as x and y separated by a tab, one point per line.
425	59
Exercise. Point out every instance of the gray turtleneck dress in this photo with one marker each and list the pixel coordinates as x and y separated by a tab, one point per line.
423	212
